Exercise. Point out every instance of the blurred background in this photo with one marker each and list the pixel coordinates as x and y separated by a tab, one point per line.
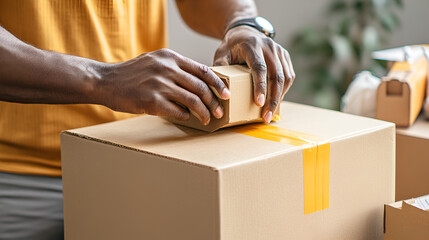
329	40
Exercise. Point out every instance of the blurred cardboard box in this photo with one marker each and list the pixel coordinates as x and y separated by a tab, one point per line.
317	174
407	219
239	109
412	160
401	93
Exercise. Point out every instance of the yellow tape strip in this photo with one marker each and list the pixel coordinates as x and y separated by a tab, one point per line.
315	160
316	177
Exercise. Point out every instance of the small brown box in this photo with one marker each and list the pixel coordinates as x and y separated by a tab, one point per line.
401	94
239	109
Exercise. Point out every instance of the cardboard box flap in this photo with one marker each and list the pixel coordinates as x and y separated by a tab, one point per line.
406	220
220	149
232	71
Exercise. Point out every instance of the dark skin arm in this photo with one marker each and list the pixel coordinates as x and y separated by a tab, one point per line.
270	63
152	83
155	82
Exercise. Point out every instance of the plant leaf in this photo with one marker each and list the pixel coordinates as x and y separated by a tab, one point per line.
337	6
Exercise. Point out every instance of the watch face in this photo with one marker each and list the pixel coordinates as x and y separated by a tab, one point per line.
264	24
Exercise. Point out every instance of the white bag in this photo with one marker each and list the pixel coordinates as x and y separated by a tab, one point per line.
360	97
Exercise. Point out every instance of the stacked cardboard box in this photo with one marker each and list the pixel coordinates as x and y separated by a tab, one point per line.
407	219
317	174
401	93
412	160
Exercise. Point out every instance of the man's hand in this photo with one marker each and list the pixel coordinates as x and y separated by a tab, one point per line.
266	59
162	83
243	44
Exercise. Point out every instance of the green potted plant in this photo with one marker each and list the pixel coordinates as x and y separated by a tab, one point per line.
327	56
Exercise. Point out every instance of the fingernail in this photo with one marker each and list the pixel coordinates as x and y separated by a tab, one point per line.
260	100
196	115
268	116
226	93
218	112
206	122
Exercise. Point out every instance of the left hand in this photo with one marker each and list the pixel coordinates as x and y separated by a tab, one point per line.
266	59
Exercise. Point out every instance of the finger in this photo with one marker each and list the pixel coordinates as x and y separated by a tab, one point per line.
192	102
222	61
276	80
173	110
221	58
200	88
289	61
164	108
289	73
205	74
255	60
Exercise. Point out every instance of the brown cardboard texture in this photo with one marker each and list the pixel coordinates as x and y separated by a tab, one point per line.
412	160
401	93
402	221
239	109
146	178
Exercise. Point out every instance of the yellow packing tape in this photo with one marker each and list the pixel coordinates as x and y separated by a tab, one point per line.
316	177
315	160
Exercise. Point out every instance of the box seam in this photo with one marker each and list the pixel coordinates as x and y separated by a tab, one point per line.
294	148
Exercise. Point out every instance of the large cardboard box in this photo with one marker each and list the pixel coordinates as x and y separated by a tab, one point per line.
239	109
412	160
408	219
401	93
317	174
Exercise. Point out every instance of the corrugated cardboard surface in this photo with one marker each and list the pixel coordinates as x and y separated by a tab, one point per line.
412	160
117	193
148	178
404	221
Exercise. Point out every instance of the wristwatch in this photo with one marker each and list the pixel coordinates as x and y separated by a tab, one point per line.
260	23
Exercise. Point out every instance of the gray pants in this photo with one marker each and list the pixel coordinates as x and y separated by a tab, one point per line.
31	207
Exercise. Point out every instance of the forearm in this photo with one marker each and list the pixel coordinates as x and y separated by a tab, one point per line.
211	18
31	75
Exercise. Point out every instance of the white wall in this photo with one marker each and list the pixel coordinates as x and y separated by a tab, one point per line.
415	24
287	17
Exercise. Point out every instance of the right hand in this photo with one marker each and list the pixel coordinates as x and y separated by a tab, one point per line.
161	83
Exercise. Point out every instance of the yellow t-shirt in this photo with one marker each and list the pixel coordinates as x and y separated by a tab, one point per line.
104	30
